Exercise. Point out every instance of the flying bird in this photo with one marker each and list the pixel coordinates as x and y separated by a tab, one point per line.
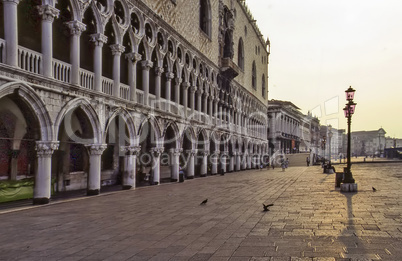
267	206
204	202
374	190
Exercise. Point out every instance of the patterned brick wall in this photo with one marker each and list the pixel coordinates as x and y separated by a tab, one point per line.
184	18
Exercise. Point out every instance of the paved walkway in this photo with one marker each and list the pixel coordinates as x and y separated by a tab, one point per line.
310	220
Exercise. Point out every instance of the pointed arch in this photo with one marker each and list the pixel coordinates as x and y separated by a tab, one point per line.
128	119
89	111
28	94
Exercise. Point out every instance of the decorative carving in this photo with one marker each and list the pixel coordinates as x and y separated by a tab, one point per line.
117	49
46	148
146	65
156	151
76	27
98	39
131	150
48	12
158	71
134	57
169	76
96	149
191	153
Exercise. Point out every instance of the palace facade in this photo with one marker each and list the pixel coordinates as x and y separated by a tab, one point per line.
100	92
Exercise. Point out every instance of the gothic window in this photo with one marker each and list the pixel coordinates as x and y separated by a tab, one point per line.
254	76
240	54
205	17
263	86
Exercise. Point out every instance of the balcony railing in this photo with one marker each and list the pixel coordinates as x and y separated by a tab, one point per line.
61	71
124	91
107	86
29	60
87	79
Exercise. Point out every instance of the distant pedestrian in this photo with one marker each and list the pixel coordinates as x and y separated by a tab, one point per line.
287	163
308	161
283	164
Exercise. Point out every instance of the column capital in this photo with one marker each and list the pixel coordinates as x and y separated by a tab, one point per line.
76	27
158	71
96	149
131	150
12	1
193	89
176	152
117	49
205	152
178	81
146	65
98	39
191	152
156	151
185	85
48	12
45	149
169	76
200	91
133	57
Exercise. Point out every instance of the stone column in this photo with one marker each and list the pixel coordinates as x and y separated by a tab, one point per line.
43	175
223	160
11	31
178	82
232	161
156	153
146	66
175	163
190	163
215	161
117	50
133	58
238	161
193	89
94	176
206	105
204	165
210	104
48	13
99	40
14	164
130	160
168	86
216	100
199	96
158	74
245	161
76	28
185	86
249	157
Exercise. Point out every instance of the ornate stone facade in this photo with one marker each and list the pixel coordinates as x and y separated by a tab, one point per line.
90	77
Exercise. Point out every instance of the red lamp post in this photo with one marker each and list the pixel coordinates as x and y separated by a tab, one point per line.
349	110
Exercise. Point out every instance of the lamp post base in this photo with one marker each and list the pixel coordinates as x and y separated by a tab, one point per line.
348	187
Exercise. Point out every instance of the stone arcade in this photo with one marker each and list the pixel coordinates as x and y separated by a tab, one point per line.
98	92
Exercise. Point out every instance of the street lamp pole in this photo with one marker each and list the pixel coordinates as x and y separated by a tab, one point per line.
329	146
349	110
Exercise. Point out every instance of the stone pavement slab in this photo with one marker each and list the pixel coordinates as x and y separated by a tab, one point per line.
310	220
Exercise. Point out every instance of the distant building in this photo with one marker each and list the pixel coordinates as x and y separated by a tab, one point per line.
284	121
368	143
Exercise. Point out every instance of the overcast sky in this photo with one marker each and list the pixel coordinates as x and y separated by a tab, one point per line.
320	47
